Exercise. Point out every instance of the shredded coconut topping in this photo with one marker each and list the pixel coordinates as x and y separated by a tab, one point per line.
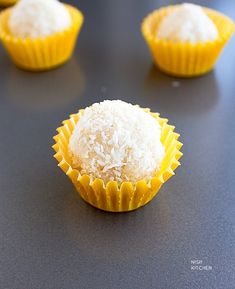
38	18
115	140
187	23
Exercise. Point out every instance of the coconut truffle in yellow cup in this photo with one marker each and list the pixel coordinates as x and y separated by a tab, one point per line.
186	39
116	154
40	34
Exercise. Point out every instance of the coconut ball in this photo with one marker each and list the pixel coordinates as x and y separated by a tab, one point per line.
38	18
115	140
187	23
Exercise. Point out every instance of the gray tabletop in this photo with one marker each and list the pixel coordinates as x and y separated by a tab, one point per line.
50	238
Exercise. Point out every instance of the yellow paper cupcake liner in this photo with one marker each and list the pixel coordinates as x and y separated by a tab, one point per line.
113	196
7	2
185	59
41	53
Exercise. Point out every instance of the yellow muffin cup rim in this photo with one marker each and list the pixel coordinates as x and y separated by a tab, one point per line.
160	176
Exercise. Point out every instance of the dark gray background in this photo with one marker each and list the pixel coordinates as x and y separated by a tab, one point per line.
50	238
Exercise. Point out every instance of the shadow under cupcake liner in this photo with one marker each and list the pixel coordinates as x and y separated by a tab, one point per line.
47	90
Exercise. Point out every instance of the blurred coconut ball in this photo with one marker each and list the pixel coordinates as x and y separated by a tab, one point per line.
187	23
38	18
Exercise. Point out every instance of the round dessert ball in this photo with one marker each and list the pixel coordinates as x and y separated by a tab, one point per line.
187	23
115	140
38	18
